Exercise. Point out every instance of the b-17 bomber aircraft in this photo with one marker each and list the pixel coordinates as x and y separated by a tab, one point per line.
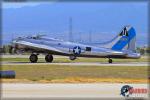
122	46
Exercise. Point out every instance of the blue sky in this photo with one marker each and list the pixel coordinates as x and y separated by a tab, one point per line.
20	5
103	19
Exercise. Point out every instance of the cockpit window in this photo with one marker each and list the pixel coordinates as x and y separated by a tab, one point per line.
33	37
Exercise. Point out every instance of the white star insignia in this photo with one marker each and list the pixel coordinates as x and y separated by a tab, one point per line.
77	50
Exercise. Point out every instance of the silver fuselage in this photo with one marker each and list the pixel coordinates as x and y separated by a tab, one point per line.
59	47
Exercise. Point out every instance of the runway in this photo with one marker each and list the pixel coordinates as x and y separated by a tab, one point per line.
21	90
69	63
39	56
80	63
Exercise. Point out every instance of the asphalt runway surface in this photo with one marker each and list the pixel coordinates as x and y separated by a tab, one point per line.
72	64
80	63
101	90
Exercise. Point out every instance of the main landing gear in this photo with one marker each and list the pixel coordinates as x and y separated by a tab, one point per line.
48	58
72	57
34	58
110	60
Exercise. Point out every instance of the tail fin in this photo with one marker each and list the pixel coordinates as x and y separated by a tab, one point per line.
125	40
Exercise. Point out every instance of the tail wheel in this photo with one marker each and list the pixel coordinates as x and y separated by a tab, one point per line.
48	58
110	61
33	58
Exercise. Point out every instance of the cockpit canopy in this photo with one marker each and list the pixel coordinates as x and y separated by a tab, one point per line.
35	36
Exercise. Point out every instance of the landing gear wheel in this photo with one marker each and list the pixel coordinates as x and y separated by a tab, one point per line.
110	60
72	57
48	58
33	58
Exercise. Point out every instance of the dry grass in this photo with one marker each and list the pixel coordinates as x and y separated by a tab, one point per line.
78	80
75	74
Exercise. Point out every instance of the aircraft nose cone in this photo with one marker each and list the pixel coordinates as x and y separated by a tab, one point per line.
14	41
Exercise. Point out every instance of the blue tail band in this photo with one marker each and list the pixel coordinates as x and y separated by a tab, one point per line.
126	36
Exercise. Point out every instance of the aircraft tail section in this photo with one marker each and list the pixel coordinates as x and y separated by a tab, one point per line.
124	41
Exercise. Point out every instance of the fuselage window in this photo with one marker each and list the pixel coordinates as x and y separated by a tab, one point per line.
88	48
34	38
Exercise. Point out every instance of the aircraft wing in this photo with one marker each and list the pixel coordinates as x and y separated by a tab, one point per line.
39	46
